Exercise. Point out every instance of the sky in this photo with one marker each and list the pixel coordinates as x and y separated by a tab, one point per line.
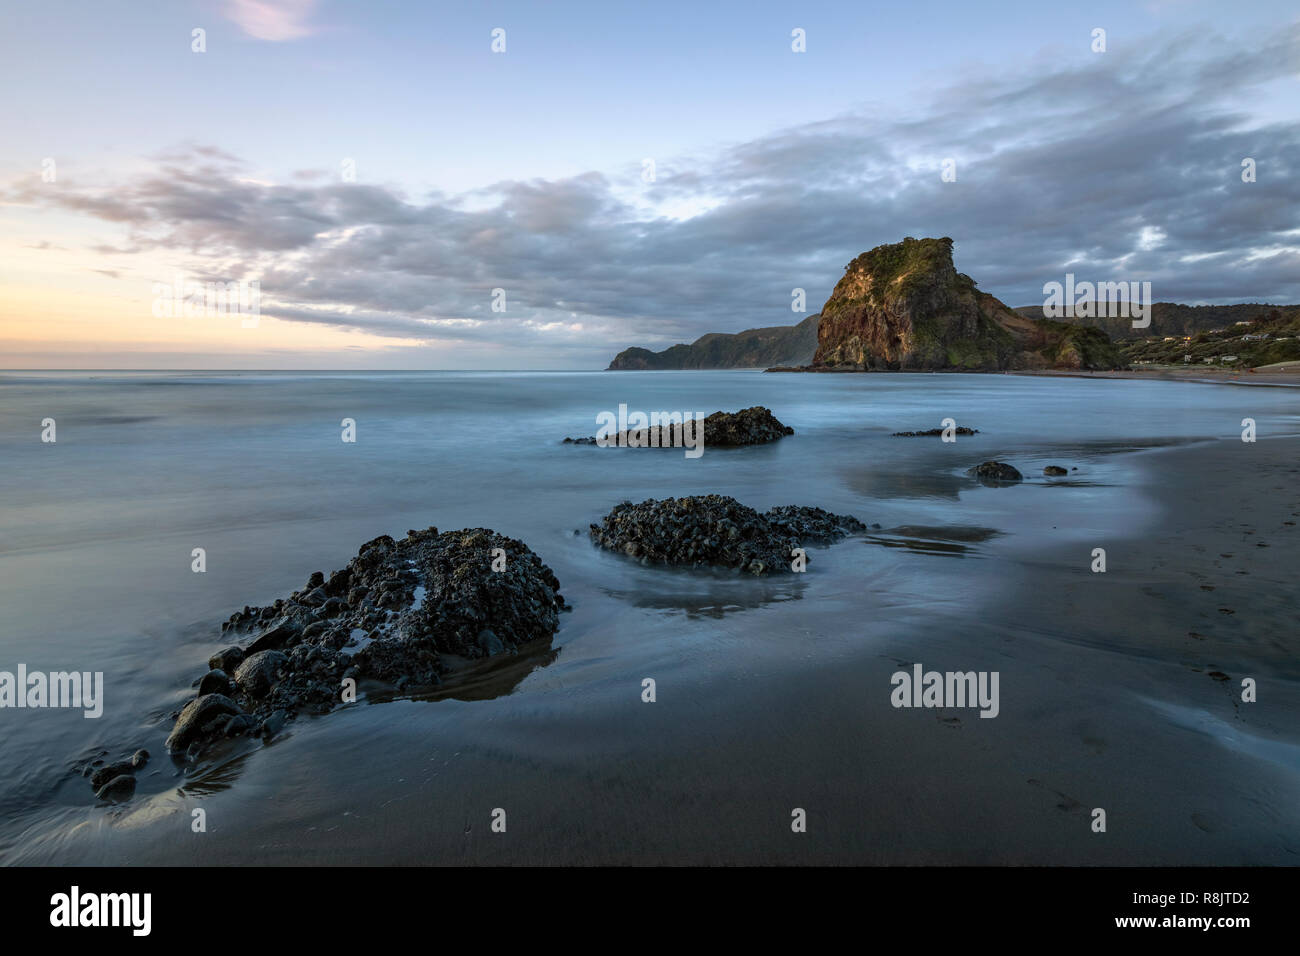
405	196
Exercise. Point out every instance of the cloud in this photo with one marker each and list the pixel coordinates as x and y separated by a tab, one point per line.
275	21
1113	169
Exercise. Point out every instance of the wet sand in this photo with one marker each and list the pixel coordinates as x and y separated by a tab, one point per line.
1283	373
1110	698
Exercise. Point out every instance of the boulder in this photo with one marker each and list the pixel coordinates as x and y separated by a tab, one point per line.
259	672
194	716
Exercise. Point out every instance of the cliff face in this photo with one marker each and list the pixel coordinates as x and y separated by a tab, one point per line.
753	348
904	306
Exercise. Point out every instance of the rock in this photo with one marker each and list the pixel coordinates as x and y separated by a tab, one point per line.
995	472
1055	470
194	716
717	530
226	660
282	631
903	306
296	664
106	773
316	580
749	426
118	790
489	642
273	724
259	672
239	724
139	759
215	681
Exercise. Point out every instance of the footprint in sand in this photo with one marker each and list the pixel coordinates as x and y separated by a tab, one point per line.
1202	822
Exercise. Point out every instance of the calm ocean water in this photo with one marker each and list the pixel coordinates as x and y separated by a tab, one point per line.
97	529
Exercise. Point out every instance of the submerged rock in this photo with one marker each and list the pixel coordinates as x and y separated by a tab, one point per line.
995	472
717	530
118	790
106	773
115	781
1055	470
390	616
749	426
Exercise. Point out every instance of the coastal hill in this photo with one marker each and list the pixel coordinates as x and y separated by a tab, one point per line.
903	306
1170	318
753	348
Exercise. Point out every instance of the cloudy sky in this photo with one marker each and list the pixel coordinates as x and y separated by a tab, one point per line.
626	173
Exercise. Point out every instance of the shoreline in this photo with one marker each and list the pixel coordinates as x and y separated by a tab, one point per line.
1289	378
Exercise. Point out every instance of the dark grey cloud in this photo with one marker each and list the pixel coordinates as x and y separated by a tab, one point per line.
1114	167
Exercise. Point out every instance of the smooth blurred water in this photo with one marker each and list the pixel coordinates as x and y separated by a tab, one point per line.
96	530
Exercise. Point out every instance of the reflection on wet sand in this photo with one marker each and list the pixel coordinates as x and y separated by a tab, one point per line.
951	541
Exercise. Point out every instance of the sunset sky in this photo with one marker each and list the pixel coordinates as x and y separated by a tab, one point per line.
128	159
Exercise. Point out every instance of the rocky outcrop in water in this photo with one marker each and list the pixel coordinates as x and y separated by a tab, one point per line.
995	473
749	426
394	615
903	306
717	530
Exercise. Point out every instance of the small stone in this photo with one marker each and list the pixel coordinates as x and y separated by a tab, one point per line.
226	660
104	774
118	790
273	724
215	681
240	724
